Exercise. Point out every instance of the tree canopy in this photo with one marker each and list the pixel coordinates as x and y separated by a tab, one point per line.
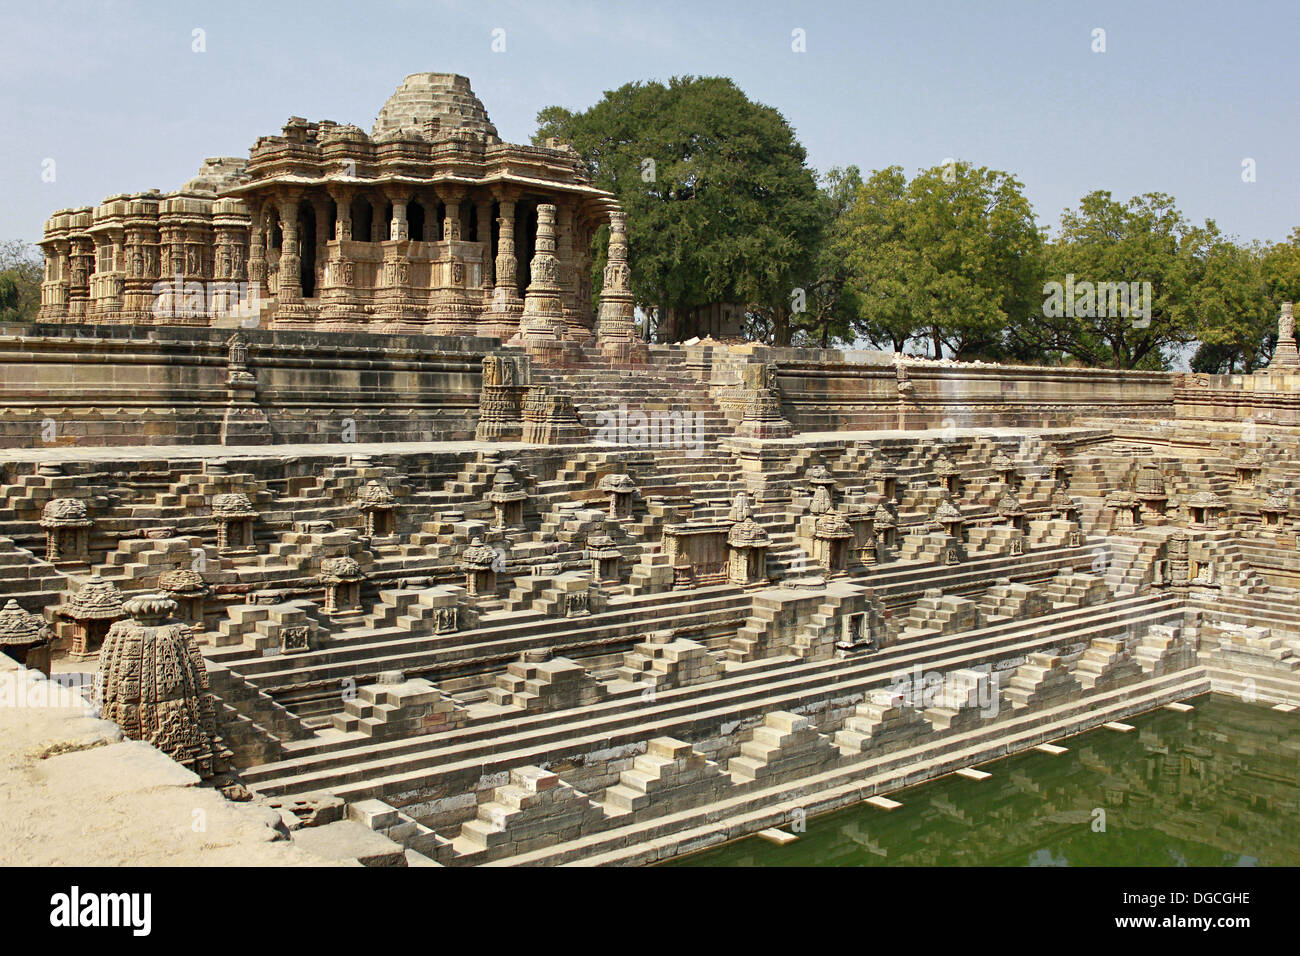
721	205
952	258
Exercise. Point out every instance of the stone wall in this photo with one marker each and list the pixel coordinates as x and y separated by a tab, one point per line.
1263	397
828	390
132	385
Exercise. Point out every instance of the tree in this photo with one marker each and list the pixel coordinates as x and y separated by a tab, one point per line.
721	205
21	271
1234	317
832	302
952	257
1106	258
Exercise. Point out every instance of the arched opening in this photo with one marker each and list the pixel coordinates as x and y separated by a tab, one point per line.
333	220
386	226
415	220
307	253
440	213
362	219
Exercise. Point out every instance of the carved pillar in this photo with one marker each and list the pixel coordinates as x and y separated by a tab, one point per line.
340	304
399	228
342	213
617	326
503	320
290	310
395	307
141	238
82	258
1285	354
451	216
257	252
290	283
542	327
54	290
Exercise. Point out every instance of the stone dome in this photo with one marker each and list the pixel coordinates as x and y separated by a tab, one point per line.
97	600
748	533
441	101
64	512
620	484
375	495
182	581
19	628
478	556
340	570
233	505
947	511
832	525
1009	504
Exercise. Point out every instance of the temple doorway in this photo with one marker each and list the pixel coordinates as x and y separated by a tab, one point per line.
307	257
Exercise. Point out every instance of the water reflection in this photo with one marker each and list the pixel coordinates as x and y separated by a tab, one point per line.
1219	786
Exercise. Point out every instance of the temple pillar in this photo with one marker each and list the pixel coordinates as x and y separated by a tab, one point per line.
541	327
617	325
81	257
451	225
54	290
290	310
290	284
396	309
342	213
141	271
503	319
257	288
340	306
568	283
399	228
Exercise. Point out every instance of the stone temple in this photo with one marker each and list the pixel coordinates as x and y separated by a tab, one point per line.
375	522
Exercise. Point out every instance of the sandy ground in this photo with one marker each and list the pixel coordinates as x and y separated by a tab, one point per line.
74	792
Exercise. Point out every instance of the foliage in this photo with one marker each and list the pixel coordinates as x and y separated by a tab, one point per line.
952	257
21	271
721	206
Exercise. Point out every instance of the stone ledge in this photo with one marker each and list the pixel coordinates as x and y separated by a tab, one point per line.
76	794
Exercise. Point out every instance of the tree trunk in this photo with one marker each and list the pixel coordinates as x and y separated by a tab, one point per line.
781	326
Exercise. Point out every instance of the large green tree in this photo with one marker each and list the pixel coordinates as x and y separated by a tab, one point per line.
1146	240
1234	317
951	258
721	204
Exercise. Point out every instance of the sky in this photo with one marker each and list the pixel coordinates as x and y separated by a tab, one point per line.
104	98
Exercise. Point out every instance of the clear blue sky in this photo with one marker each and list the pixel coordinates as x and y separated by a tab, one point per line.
1184	92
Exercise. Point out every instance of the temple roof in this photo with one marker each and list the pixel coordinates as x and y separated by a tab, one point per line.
426	100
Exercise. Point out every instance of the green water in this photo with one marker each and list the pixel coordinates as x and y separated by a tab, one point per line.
1219	786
